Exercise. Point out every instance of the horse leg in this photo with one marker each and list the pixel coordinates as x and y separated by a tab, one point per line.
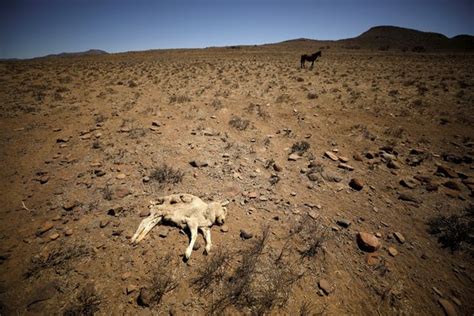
312	64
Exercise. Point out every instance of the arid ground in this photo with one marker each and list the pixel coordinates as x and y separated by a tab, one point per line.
372	141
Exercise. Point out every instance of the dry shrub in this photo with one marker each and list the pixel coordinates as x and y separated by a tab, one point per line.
57	258
162	283
260	281
213	272
239	123
456	231
87	303
167	175
300	147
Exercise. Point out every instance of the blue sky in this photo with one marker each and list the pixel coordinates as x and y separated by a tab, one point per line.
40	27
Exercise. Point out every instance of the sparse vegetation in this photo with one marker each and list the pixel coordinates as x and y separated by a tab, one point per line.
239	123
456	231
167	175
87	303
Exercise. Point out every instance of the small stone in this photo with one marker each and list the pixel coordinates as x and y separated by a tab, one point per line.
408	183
252	195
343	159
392	164
446	171
44	228
373	259
437	291
368	242
53	236
399	237
331	156
70	205
294	157
346	166
99	172
68	232
356	184
104	223
357	157
126	275
313	176
245	235
155	123
224	228
344	223
163	234
196	245
277	167
448	307
121	176
452	185
122	192
393	251
198	163
325	286
408	198
145	213
146	179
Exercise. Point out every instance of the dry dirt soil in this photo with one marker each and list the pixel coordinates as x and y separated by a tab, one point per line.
368	141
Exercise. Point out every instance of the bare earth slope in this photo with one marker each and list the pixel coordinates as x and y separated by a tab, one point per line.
84	142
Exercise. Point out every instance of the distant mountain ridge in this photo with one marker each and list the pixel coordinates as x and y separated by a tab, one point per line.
386	37
90	52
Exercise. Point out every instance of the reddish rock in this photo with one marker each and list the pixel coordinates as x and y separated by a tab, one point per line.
356	184
368	242
448	307
331	156
122	192
325	286
44	228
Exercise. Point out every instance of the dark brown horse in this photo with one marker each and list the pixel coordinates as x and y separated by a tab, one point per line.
310	58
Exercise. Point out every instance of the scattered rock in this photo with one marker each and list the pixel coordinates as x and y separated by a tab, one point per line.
277	167
198	163
399	237
122	192
121	176
68	232
245	235
44	228
294	157
224	228
145	213
343	159
104	223
368	242
146	179
357	157
373	259
345	166
408	198
452	185
393	251
252	195
448	307
53	236
313	176
446	171
70	205
163	234
344	223
325	286
331	156
408	183
393	164
356	184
